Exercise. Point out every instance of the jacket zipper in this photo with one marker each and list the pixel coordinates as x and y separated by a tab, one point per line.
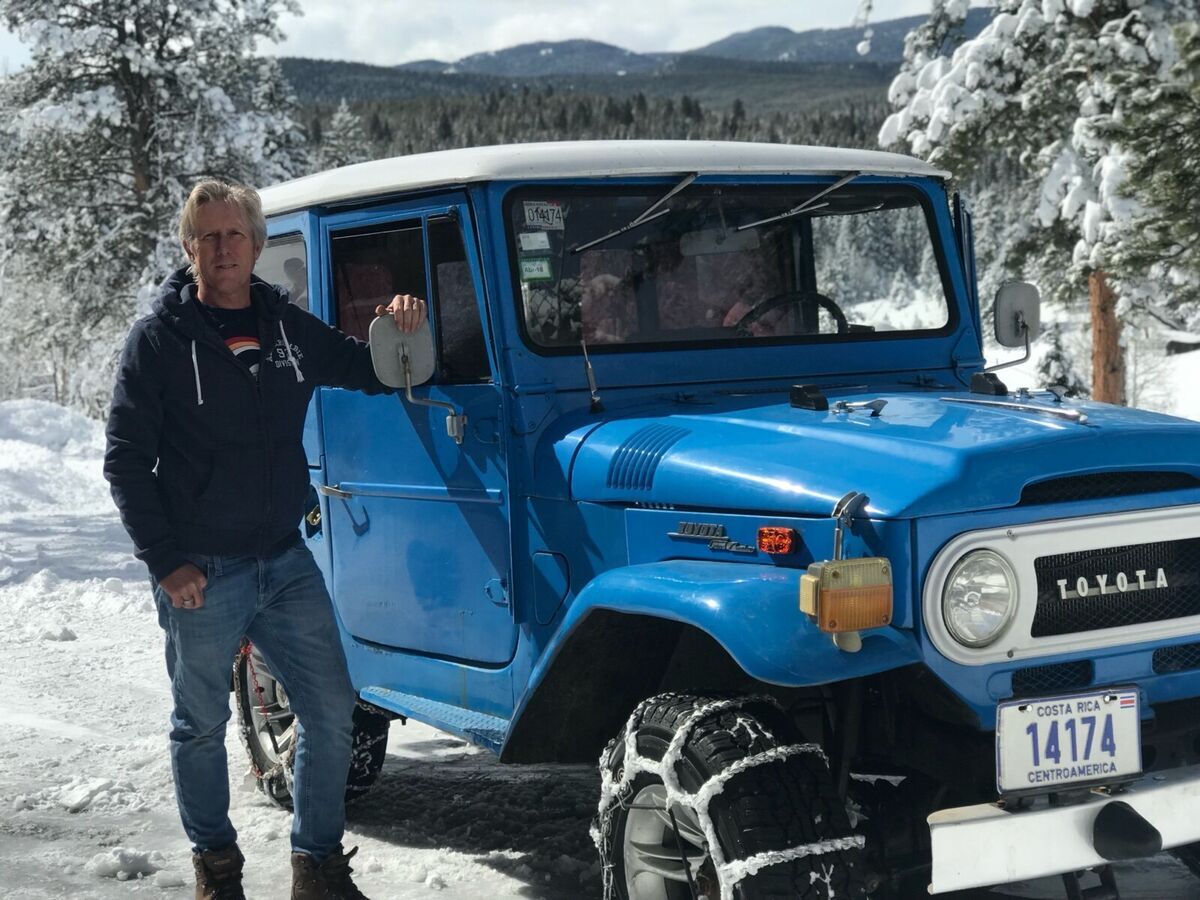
224	352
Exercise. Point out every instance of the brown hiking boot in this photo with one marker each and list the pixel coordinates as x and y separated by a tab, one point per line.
328	881
219	874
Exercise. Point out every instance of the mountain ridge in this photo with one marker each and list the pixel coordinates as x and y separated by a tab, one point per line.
766	44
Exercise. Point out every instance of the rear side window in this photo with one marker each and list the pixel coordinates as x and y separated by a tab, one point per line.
284	261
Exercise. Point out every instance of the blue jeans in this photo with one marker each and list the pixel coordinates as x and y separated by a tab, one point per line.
280	603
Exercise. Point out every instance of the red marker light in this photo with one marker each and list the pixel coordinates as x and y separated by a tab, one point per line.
777	541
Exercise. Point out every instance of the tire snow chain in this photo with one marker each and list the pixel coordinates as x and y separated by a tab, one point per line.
614	793
280	769
284	762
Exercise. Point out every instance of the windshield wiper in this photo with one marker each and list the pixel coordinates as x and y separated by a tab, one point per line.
651	213
807	206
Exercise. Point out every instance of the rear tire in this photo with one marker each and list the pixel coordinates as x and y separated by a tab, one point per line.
756	815
268	730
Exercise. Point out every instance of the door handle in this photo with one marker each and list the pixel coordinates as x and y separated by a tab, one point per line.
330	491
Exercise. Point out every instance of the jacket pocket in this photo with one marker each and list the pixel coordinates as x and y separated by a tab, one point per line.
233	491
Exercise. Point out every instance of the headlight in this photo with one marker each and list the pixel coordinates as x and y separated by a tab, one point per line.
979	598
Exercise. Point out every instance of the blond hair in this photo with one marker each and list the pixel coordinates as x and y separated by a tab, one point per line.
246	199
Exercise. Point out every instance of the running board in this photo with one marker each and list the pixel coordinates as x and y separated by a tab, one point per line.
478	728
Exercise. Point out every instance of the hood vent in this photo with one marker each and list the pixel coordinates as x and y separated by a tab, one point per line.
636	460
1099	485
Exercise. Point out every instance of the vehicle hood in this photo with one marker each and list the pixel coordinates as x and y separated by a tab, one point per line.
925	454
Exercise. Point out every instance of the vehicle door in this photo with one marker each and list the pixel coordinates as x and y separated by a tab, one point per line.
284	261
417	522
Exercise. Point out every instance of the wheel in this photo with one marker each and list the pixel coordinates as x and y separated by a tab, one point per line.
268	729
703	796
787	298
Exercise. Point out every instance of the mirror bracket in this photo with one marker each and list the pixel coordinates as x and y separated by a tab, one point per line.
1023	327
456	422
406	360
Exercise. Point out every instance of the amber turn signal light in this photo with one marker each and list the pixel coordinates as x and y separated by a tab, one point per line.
777	541
848	594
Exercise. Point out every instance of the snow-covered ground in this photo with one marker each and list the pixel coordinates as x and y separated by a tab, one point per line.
86	803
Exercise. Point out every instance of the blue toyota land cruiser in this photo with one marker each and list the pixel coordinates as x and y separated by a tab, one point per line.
697	470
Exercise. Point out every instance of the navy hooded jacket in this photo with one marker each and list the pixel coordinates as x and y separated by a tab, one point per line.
203	457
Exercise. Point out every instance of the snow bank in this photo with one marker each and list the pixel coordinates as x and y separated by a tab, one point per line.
50	459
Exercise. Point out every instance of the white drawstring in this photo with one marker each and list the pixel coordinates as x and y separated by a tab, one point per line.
291	357
196	369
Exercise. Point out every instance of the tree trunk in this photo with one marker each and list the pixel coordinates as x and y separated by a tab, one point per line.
1108	357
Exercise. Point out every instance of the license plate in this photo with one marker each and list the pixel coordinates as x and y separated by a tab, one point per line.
1046	744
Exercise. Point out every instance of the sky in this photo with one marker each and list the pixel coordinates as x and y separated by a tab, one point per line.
387	32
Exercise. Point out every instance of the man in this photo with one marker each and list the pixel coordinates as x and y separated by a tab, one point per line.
297	274
208	471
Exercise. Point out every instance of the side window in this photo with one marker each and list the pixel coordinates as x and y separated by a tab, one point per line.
372	266
284	261
462	351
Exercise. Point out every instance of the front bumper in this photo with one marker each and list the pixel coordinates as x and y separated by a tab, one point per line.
984	845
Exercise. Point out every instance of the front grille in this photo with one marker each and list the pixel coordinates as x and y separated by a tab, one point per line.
1105	484
1177	561
1179	658
1052	679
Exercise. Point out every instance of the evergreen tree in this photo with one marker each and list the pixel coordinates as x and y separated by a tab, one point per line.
1161	131
445	128
1056	366
123	105
1041	86
345	141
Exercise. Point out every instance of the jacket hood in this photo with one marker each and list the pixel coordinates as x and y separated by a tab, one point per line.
923	455
176	302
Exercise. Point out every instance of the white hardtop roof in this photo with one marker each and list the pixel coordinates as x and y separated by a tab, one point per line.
578	159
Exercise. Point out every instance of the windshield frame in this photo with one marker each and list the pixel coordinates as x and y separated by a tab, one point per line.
516	192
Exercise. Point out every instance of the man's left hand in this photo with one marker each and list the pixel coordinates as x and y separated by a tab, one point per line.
407	310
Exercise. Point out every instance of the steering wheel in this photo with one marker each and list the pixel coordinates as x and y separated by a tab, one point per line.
788	297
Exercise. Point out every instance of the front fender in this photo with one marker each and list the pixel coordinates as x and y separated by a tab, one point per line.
752	611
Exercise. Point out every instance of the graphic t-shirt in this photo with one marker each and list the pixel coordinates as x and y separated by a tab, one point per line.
238	328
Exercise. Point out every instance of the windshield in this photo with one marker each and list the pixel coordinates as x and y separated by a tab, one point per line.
714	265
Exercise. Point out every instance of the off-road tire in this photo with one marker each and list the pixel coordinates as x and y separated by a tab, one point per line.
775	806
272	771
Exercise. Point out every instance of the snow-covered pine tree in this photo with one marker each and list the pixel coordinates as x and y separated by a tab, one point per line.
1161	130
345	141
123	105
1056	364
1040	85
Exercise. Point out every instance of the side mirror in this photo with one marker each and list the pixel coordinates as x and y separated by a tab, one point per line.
401	360
1018	312
407	361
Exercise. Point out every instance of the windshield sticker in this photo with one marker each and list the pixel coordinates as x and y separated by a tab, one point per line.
536	269
534	240
543	214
